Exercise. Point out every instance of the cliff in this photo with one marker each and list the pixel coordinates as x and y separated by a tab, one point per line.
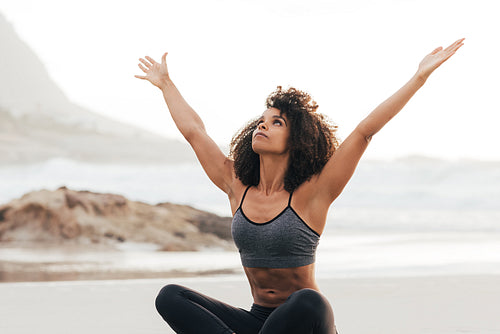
38	121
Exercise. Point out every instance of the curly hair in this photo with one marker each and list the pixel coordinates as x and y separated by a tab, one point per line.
311	143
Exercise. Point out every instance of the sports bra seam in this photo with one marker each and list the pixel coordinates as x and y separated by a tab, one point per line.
289	205
303	222
270	221
279	214
300	218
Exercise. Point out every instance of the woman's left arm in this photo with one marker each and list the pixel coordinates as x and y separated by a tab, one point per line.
343	162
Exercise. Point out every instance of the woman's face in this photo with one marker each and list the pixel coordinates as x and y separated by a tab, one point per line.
271	134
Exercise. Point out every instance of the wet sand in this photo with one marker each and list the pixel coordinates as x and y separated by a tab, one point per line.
432	305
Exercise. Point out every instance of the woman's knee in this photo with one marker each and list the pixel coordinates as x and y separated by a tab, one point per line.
168	297
306	295
309	300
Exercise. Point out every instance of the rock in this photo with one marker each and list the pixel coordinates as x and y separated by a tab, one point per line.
205	221
84	217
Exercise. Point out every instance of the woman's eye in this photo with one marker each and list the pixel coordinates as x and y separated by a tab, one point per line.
277	122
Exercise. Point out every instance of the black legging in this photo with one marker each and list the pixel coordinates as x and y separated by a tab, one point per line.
189	312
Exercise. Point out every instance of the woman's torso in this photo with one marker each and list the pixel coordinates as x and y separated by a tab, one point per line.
271	286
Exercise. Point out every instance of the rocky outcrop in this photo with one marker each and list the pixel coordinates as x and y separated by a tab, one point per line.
205	221
83	217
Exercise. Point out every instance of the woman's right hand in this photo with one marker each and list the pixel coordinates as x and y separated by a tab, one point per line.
156	73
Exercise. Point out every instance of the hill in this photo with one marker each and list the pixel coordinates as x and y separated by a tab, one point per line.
38	122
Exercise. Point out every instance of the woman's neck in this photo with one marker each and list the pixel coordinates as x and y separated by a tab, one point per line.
272	173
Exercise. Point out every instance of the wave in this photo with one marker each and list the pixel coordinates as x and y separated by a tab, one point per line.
399	195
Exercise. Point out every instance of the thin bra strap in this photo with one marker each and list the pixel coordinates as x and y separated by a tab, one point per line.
290	199
244	194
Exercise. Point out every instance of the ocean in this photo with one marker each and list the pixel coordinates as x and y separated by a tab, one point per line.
406	217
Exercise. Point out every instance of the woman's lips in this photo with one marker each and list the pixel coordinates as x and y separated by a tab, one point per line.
260	134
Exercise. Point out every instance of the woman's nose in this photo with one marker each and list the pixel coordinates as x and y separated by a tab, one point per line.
262	125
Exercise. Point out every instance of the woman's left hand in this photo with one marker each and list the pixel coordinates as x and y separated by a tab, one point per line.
434	59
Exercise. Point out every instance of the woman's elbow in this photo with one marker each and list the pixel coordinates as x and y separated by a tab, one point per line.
192	133
365	132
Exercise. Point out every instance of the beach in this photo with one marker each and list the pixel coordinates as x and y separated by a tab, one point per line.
416	253
423	305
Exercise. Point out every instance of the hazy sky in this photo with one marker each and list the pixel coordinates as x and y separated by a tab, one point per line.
226	56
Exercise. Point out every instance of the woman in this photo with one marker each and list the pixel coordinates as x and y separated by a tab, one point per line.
284	171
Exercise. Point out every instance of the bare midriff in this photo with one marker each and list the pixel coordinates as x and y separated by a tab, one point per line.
272	286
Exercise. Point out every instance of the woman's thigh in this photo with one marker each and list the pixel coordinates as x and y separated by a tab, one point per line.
188	311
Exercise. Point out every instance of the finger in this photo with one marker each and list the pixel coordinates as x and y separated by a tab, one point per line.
164	58
448	55
143	68
457	42
459	45
453	51
436	50
140	77
454	48
151	60
148	65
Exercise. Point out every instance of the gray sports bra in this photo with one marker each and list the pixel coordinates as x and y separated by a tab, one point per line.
285	241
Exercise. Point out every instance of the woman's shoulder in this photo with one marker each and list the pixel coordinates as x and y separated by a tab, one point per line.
312	194
310	205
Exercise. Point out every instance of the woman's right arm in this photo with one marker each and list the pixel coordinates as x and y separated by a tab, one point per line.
218	167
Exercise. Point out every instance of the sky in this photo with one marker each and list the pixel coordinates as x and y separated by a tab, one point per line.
226	56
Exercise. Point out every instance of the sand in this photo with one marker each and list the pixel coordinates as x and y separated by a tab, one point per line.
424	305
